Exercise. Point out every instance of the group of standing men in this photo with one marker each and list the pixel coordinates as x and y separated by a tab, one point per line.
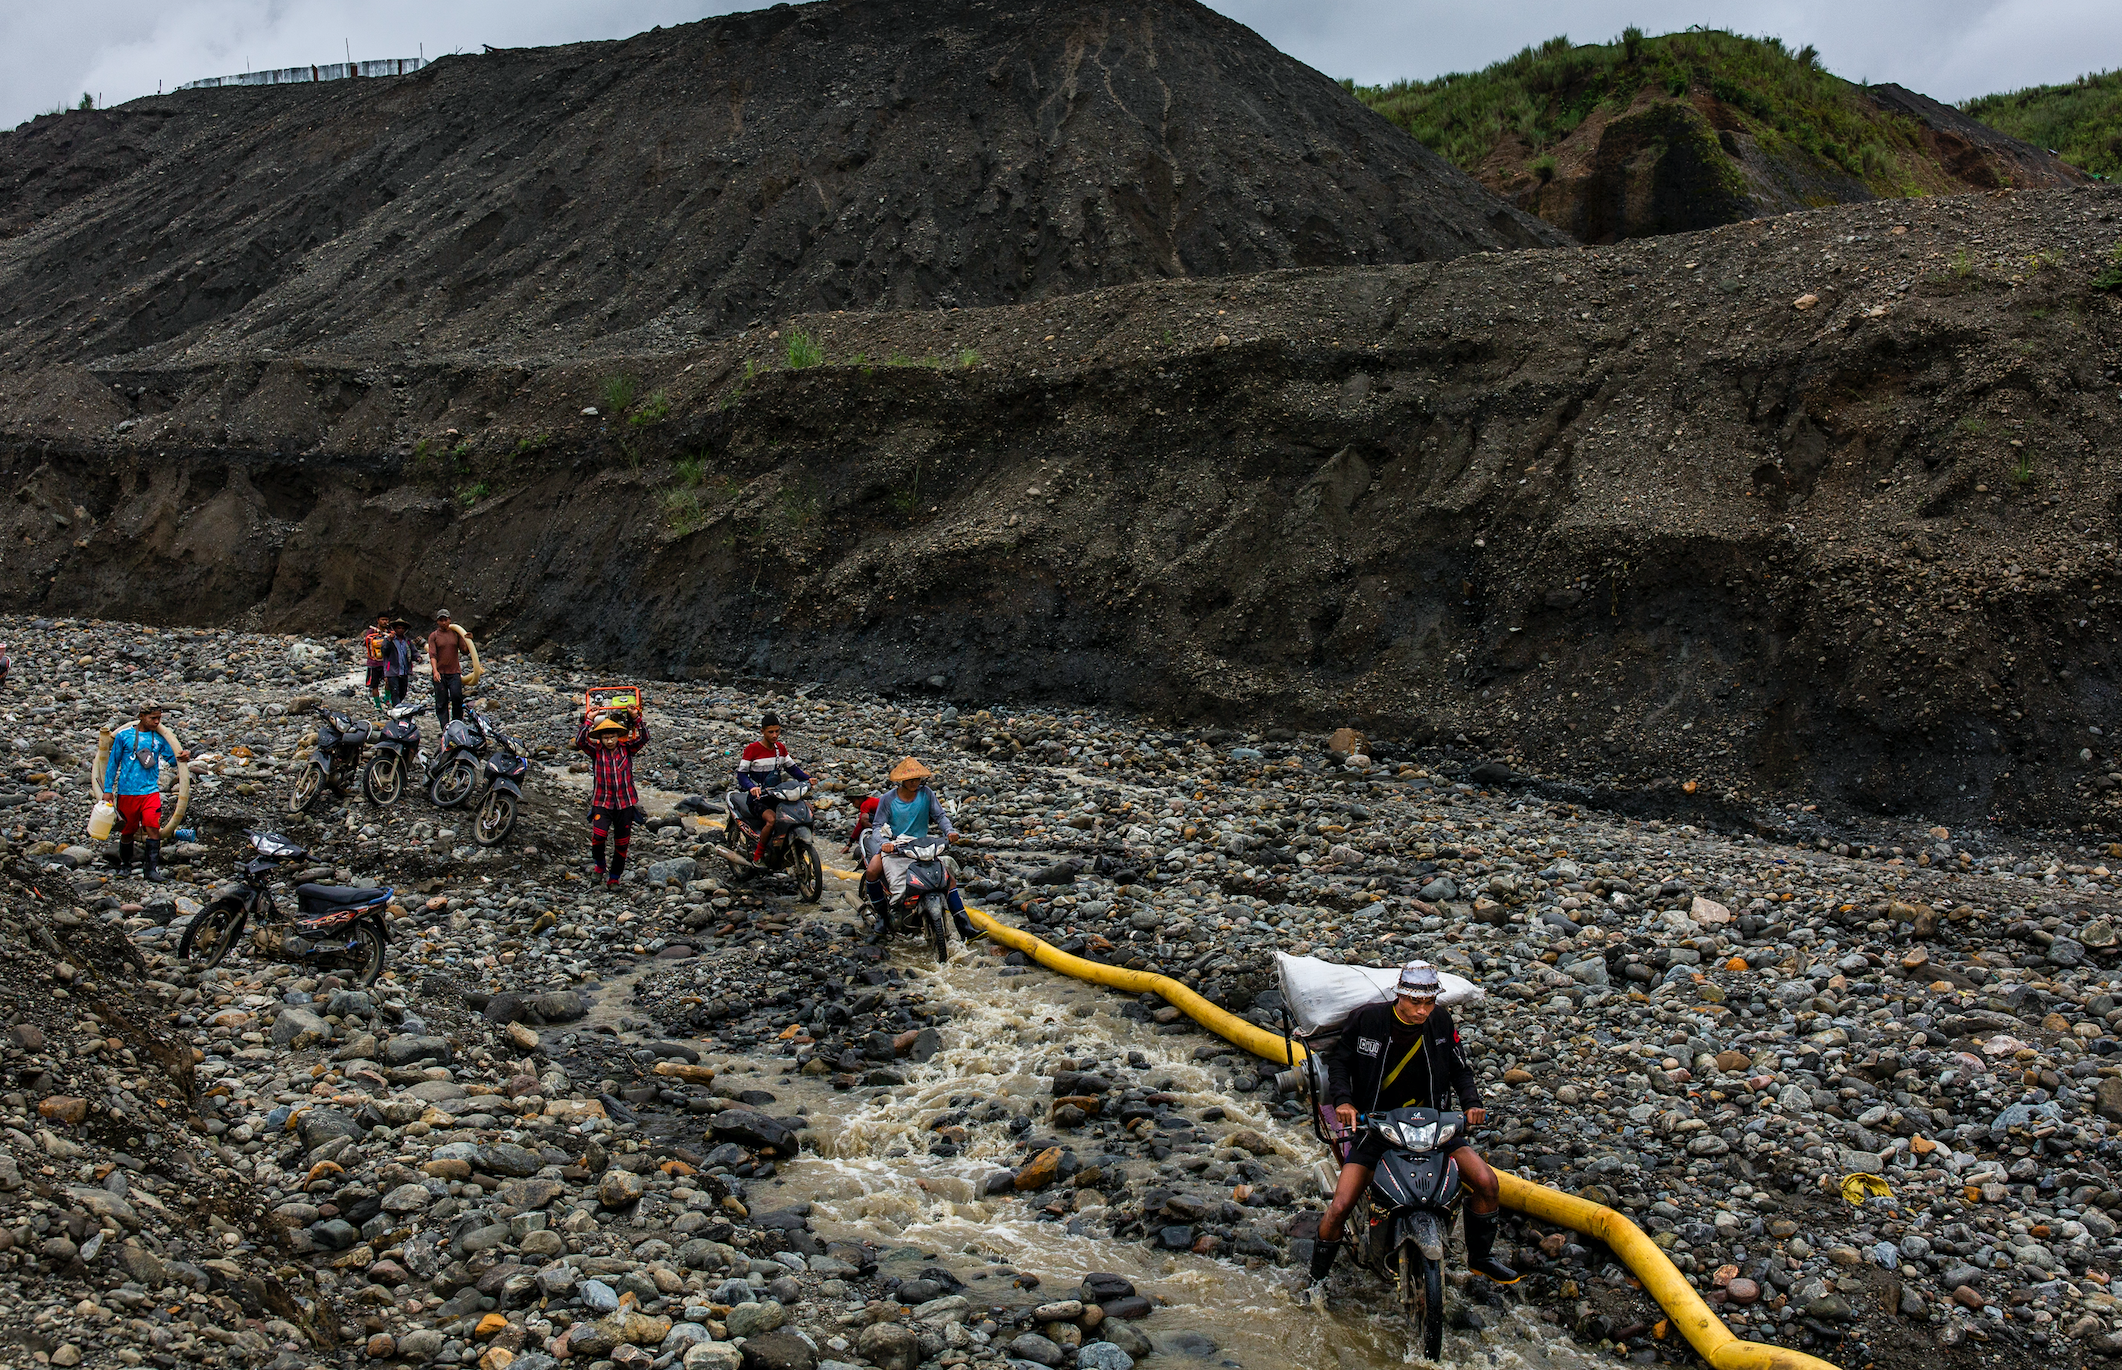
392	655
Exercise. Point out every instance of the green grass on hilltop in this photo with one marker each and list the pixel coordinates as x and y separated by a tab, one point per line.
1541	95
2082	120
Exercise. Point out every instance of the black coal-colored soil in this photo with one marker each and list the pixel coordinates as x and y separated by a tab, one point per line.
851	154
1630	515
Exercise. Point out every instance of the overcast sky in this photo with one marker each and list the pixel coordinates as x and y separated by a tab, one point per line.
52	52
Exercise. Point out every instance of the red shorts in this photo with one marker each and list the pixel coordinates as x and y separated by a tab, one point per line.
138	811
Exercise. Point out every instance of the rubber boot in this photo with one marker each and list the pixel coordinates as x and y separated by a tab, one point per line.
124	859
957	913
1323	1254
879	911
1480	1248
150	866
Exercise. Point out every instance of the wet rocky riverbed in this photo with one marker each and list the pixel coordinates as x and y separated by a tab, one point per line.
697	1121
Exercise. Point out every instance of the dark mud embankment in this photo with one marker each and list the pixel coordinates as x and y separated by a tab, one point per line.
1628	514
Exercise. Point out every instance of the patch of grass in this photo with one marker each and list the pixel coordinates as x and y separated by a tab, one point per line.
1962	265
800	503
616	393
652	410
1534	100
803	351
682	513
632	454
2022	470
472	494
2110	278
533	444
2081	119
967	359
1974	426
689	471
1542	167
899	359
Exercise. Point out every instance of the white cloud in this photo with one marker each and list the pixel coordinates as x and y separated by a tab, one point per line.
50	54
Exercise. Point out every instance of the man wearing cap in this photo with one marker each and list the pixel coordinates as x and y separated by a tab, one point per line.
906	813
1406	1054
610	743
444	664
133	780
759	770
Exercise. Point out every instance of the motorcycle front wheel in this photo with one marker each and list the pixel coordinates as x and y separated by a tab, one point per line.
1422	1297
452	785
309	787
497	816
365	960
810	873
940	930
211	933
383	780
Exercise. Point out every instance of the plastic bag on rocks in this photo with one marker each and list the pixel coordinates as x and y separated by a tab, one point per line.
1321	994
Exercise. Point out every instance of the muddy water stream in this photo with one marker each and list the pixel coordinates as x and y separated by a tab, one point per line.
869	1177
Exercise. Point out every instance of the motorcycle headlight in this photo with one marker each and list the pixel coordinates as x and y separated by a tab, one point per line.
1418	1136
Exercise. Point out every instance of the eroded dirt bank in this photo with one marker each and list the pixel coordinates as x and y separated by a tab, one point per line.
1814	508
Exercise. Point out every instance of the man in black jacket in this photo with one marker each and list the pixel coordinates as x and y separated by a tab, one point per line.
1406	1054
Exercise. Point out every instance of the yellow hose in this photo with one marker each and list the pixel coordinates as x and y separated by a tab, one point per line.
184	775
1704	1330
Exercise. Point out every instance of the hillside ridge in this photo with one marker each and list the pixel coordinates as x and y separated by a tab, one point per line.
1685	131
683	183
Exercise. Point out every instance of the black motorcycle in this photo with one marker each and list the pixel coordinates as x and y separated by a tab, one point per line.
504	773
396	753
1404	1220
923	911
336	927
454	777
793	848
334	758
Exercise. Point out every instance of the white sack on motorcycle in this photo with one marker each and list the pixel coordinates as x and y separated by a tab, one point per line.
1321	994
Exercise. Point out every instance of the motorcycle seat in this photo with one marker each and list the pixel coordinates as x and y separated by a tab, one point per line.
324	898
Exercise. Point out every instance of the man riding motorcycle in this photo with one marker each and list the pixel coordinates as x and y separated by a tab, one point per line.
759	771
1406	1054
909	811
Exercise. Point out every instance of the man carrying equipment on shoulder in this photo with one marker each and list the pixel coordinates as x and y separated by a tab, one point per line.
1406	1054
133	780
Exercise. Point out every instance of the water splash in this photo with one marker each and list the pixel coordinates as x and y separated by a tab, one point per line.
869	1176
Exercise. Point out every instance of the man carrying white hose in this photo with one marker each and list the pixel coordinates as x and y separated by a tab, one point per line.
446	666
133	780
1406	1054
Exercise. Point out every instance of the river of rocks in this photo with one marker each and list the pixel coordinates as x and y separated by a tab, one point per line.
1860	1085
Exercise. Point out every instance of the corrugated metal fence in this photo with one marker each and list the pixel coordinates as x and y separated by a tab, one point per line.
336	71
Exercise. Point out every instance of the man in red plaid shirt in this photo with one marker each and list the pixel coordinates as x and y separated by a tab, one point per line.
614	805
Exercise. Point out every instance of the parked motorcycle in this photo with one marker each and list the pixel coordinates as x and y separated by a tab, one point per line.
336	927
454	777
334	758
397	752
504	773
922	911
793	848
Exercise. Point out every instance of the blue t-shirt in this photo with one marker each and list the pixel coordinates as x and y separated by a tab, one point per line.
136	761
908	817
